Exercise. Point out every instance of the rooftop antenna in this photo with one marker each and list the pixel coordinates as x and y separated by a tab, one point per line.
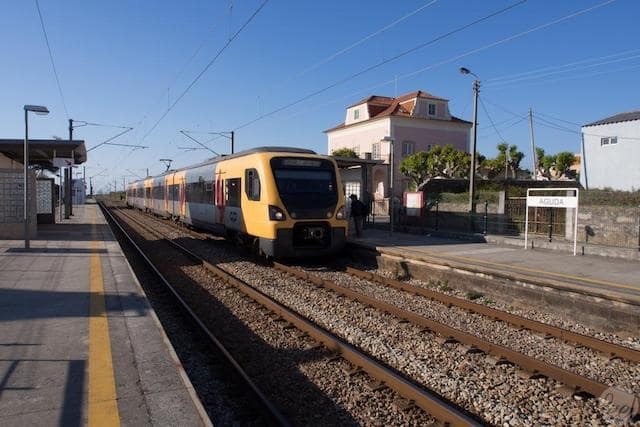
167	163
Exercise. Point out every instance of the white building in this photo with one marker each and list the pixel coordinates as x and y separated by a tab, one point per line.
611	153
415	121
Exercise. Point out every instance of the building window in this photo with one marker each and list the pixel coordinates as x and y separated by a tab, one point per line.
356	114
375	151
432	109
609	140
408	148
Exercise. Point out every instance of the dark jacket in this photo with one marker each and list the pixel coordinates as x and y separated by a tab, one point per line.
358	208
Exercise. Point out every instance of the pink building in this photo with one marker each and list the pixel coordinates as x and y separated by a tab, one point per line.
415	122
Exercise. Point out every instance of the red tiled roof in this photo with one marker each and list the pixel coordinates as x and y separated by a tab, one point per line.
384	106
386	100
373	99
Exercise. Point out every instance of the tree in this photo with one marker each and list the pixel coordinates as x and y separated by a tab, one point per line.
444	162
418	167
508	159
555	166
344	152
564	160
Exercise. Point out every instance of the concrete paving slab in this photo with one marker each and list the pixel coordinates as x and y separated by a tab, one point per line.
598	275
45	312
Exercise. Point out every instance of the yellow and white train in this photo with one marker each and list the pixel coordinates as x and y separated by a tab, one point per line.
284	202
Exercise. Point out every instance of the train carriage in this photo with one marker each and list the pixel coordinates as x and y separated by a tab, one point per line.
286	202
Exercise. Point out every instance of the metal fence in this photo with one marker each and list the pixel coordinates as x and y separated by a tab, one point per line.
597	225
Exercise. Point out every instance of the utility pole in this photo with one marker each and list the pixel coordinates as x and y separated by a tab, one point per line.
474	135
232	141
506	163
68	205
25	206
534	172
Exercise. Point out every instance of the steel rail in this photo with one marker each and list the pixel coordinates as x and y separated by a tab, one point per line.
578	382
606	347
427	400
270	409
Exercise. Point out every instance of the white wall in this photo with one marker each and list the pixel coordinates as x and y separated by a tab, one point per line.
363	114
362	136
615	166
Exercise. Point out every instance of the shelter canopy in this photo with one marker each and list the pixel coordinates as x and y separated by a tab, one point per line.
42	151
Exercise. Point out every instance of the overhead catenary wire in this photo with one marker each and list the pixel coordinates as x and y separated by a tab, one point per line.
555	67
383	62
484	108
446	61
558	119
508	82
80	123
572	77
206	68
184	66
129	129
53	63
549	124
360	41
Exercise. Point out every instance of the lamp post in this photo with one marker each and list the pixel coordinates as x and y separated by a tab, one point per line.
390	140
472	172
41	110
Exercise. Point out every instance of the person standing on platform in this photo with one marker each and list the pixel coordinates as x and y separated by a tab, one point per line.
358	212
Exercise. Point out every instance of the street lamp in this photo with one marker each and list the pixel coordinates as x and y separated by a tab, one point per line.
472	172
390	140
40	110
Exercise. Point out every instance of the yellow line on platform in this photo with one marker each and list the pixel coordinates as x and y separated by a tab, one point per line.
103	407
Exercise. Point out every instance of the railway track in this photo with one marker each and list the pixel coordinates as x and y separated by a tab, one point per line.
268	408
575	382
607	348
534	366
430	402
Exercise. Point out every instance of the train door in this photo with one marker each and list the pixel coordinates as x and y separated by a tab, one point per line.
233	210
219	200
183	197
167	189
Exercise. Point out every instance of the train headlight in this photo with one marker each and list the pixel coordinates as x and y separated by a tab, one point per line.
340	214
276	214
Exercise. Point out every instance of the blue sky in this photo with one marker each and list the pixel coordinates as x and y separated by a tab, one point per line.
124	62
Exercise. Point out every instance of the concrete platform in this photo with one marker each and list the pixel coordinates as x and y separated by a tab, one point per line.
602	292
79	342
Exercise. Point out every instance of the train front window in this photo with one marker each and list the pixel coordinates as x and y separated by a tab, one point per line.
307	187
301	181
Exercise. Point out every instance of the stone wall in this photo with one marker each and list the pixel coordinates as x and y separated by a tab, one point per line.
11	204
609	225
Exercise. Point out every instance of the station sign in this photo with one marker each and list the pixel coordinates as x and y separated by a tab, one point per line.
552	201
568	202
